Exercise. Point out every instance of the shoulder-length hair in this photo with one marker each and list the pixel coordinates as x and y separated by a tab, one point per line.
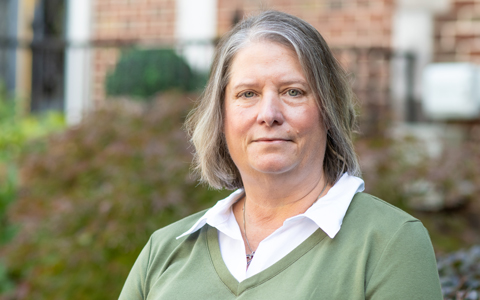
327	80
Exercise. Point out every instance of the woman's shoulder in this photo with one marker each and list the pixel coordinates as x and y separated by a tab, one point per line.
398	254
369	218
399	257
366	208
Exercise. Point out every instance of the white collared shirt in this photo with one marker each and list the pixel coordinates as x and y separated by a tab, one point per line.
327	213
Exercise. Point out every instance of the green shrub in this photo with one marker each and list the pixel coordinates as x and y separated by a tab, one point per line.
91	197
16	131
142	73
460	274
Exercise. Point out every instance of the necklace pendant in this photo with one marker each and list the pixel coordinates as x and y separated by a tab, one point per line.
249	258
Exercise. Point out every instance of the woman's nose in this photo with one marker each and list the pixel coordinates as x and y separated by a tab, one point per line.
270	110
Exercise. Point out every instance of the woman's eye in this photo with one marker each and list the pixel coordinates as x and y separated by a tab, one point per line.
248	94
293	93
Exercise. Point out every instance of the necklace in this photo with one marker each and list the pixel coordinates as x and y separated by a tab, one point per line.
252	253
323	190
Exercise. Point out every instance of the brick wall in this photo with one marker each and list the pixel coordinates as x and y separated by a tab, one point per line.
457	33
343	23
124	20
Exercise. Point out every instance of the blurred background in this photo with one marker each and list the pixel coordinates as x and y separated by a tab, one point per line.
93	158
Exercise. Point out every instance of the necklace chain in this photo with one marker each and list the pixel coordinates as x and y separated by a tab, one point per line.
323	190
252	253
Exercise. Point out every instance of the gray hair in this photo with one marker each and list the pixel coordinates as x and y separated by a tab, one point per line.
326	78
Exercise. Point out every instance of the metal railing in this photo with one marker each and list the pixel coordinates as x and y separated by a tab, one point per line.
370	70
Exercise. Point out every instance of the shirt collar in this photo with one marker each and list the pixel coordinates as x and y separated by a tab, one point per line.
327	212
216	215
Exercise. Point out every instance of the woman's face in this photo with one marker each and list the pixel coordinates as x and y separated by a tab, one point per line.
272	122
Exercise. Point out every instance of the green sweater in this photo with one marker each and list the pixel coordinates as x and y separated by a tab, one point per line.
380	252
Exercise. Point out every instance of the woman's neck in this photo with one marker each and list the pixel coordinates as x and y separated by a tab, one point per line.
270	202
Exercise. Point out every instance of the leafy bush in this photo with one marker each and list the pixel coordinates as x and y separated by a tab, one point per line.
460	274
143	73
16	131
91	197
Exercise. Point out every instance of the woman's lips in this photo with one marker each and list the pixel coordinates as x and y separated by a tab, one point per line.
271	140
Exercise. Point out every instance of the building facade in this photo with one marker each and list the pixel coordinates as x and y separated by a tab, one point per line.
97	30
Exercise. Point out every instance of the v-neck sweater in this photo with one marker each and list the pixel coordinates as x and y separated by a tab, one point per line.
380	252
326	213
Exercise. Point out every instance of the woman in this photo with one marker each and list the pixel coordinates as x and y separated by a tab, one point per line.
275	123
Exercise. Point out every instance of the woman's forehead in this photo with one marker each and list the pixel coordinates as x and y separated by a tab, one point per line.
255	58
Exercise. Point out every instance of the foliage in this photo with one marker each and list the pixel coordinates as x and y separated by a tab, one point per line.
460	274
143	73
7	231
16	131
91	197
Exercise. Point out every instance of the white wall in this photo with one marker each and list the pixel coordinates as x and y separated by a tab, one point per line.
196	27
412	31
78	60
